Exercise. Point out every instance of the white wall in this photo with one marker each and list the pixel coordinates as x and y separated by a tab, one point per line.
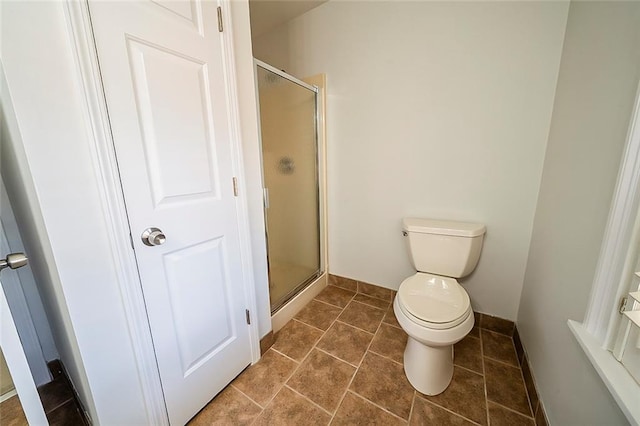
435	109
252	183
599	75
63	221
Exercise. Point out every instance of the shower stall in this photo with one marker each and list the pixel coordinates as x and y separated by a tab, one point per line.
291	181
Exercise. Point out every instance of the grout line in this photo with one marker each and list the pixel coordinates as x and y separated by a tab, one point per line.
326	303
418	395
502	362
308	399
355	326
284	382
315	346
336	357
370	297
355	373
331	304
385	357
511	409
391	325
413	403
370	306
470	370
357	395
250	399
353	376
484	379
286	356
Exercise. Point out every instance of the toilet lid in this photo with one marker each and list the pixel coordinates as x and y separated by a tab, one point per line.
433	298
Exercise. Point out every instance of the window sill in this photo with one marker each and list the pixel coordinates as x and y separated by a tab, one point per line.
622	386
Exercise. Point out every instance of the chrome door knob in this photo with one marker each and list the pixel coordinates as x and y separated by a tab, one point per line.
13	261
153	237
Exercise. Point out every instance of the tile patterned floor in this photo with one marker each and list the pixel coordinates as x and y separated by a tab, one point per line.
57	399
339	362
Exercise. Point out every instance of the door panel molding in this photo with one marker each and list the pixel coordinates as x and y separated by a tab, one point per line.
114	211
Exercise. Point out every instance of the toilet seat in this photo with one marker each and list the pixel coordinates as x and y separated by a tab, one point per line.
434	301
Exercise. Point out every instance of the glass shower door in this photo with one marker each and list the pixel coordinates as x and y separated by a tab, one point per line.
290	176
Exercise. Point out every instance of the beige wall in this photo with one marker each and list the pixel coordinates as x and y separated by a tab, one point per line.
6	383
597	84
435	109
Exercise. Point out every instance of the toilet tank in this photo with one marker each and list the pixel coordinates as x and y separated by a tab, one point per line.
443	247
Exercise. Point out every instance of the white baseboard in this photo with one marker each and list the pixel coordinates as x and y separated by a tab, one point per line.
8	395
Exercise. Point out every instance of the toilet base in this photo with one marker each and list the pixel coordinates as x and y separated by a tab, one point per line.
428	368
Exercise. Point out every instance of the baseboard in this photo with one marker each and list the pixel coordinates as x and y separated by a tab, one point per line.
266	342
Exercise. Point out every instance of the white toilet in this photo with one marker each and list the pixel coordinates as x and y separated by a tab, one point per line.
432	308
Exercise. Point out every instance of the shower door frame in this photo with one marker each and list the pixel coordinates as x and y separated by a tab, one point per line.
320	182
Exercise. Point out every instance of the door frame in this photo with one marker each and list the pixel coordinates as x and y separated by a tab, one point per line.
114	209
22	315
19	367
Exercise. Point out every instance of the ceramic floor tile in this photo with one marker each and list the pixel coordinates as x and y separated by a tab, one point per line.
475	332
345	342
390	318
318	314
497	325
384	383
323	379
55	394
378	390
375	291
500	416
65	415
467	354
335	296
372	301
499	347
262	381
464	396
296	339
229	407
11	413
357	411
342	282
362	316
426	413
506	387
390	341
289	408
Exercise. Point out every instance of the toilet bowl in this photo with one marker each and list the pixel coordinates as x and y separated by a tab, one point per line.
431	306
428	357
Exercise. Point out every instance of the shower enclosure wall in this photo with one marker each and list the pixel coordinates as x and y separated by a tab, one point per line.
291	180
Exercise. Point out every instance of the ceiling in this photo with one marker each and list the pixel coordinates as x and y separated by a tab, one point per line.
268	14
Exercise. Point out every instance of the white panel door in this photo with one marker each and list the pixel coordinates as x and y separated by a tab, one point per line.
163	72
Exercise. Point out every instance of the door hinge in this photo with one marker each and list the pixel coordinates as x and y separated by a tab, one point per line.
220	28
623	304
235	186
248	316
266	197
